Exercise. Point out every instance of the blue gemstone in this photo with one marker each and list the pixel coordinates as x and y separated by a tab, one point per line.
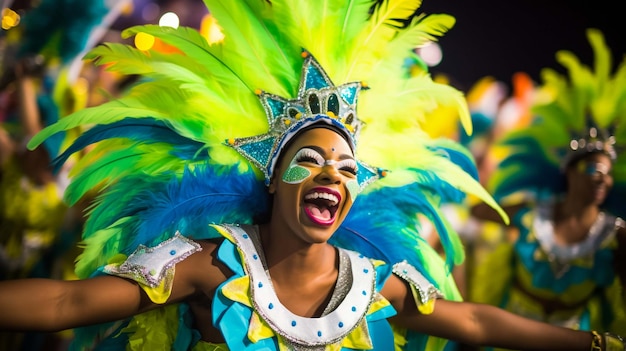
173	252
255	256
245	236
319	333
366	270
353	309
271	305
340	324
293	323
364	292
260	285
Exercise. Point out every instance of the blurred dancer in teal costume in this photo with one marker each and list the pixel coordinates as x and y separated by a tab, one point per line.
563	186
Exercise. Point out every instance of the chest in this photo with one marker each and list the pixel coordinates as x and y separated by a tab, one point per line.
267	315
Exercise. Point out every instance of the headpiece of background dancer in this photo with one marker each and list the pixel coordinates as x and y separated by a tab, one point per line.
596	140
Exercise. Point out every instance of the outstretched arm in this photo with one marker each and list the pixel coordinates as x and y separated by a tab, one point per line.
53	305
481	325
485	212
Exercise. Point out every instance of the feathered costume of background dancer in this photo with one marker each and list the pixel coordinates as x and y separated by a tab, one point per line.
162	148
566	266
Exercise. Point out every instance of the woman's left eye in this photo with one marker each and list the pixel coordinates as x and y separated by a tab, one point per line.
349	166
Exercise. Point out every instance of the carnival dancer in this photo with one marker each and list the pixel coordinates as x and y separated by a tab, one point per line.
257	197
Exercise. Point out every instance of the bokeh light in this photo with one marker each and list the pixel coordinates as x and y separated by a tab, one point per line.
10	19
169	19
144	41
211	30
431	54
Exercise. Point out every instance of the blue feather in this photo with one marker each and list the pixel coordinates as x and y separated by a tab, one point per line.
383	224
145	130
187	204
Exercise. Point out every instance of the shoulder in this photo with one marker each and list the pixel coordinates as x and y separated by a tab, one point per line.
202	268
620	233
620	224
408	285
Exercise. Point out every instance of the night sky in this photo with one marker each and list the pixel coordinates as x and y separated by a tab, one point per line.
500	37
491	37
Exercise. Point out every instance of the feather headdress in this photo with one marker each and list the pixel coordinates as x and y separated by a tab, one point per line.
169	155
574	114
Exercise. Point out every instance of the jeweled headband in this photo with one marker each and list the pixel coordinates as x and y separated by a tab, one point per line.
597	141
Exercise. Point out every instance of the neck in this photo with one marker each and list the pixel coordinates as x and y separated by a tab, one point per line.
288	255
571	209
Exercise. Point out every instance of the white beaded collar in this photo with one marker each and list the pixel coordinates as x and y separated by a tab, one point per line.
305	331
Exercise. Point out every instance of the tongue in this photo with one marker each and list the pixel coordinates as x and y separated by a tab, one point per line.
321	213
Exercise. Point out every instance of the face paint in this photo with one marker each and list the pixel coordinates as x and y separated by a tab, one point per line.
353	188
295	174
594	169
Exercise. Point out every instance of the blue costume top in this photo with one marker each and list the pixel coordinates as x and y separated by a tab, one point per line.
355	318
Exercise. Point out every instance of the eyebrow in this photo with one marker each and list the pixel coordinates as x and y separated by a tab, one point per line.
322	152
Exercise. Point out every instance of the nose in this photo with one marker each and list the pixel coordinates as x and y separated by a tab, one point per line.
329	175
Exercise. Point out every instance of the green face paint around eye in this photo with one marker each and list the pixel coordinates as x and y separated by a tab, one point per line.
596	169
295	174
353	188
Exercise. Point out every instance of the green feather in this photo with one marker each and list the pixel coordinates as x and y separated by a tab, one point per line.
107	113
127	60
98	249
113	165
253	52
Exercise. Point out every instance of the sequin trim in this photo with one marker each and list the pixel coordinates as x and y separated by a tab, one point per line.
602	229
150	265
427	291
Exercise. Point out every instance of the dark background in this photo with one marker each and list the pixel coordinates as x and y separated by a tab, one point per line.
490	37
501	37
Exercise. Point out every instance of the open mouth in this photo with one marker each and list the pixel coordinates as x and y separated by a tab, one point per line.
321	205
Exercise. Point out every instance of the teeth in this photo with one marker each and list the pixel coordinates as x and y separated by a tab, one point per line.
326	196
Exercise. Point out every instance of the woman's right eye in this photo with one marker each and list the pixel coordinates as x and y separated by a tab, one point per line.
309	156
307	159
